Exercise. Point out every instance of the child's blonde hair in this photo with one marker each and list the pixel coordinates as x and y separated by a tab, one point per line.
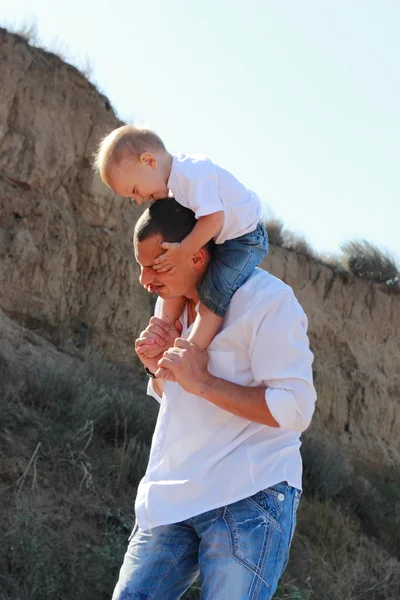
123	141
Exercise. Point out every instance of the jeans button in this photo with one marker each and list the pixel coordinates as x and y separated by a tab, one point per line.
281	497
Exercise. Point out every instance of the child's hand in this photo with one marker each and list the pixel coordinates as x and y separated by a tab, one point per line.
168	261
151	349
154	340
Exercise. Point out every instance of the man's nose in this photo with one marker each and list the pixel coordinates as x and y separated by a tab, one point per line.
146	277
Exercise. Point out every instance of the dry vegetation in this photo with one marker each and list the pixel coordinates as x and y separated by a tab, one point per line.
74	440
347	537
366	260
360	258
29	31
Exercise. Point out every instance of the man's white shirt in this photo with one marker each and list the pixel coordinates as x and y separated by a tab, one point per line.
203	457
204	187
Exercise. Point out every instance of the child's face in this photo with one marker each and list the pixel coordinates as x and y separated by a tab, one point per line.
142	179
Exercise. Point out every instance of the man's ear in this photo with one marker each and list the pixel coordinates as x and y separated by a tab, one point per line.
147	158
199	258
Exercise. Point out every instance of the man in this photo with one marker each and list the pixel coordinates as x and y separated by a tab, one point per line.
223	482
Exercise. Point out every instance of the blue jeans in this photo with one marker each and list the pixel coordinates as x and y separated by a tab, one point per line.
230	266
240	551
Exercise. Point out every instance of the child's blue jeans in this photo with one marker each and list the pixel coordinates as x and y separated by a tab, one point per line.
231	265
239	550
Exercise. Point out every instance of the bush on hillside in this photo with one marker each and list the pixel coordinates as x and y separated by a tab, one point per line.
366	260
325	470
297	243
373	497
333	558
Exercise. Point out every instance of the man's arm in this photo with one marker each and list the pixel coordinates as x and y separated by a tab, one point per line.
281	360
246	402
189	365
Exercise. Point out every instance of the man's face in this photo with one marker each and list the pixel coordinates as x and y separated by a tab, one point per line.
180	283
141	179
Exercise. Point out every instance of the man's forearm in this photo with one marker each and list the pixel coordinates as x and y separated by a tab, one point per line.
246	402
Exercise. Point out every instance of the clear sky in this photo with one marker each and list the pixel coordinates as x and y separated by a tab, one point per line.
299	99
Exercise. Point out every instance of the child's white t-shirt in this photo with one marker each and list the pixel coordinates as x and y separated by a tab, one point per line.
204	187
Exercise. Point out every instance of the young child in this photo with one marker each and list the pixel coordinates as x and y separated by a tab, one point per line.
135	163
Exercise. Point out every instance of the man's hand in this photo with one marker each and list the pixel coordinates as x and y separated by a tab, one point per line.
158	335
169	260
188	364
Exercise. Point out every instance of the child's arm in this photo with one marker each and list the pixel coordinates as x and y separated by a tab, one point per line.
205	229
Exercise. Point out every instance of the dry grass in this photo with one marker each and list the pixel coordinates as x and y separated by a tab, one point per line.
297	243
274	229
278	236
74	441
83	433
369	262
27	29
326	471
370	496
336	560
39	562
359	258
60	48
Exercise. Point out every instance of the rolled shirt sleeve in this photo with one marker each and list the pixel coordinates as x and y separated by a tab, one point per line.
281	360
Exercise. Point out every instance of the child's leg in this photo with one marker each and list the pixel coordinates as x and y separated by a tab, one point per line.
231	265
171	310
205	327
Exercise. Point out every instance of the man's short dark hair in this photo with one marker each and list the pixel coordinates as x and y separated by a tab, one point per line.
169	219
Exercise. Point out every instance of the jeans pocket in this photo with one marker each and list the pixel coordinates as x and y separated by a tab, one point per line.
272	502
255	532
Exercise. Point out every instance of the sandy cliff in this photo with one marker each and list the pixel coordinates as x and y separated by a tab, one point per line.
65	239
